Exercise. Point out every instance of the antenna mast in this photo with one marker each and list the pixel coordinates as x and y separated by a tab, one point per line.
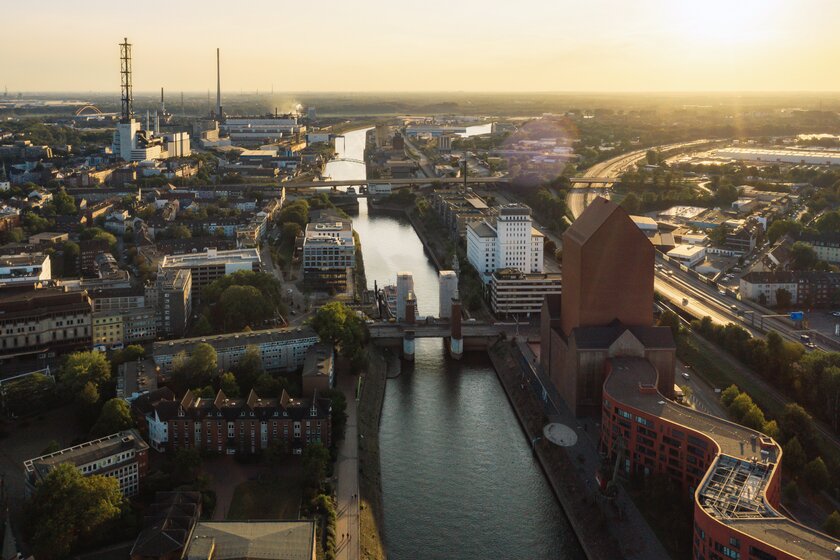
125	75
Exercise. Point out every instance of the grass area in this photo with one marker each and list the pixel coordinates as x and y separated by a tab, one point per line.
370	483
688	351
275	497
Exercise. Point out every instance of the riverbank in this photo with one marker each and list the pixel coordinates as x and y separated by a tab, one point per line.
372	395
586	519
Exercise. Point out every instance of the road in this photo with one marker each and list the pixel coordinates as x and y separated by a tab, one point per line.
347	471
426	165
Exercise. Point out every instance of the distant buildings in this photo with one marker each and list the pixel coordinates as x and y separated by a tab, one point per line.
44	321
605	309
826	245
123	456
329	253
212	264
687	255
240	426
261	130
280	349
784	155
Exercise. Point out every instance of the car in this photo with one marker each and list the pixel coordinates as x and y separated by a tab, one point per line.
722	292
836	314
685	375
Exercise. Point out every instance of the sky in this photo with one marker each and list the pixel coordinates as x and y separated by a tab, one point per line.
424	45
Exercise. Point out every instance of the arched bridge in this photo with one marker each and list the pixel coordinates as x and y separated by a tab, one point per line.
88	110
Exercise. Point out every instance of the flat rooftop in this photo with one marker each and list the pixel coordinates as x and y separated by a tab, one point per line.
232	340
209	257
733	490
88	452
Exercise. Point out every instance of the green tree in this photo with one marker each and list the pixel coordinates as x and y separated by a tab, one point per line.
68	509
783	298
671	320
197	370
270	386
249	368
83	368
115	417
178	231
793	455
740	406
728	395
832	525
754	418
631	203
803	256
816	475
652	157
186	464
243	306
315	461
790	493
228	385
718	235
338	324
339	413
780	228
771	428
64	203
71	257
796	422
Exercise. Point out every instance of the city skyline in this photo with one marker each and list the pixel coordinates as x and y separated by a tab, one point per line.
775	45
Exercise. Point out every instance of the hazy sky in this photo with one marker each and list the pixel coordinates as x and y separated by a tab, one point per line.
428	45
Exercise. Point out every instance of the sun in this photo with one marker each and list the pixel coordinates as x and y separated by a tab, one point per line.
723	23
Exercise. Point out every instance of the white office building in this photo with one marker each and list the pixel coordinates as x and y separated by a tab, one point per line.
26	268
509	241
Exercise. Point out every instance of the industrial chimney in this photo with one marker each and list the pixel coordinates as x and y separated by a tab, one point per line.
218	88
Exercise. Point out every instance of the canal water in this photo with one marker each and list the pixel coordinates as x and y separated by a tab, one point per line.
458	478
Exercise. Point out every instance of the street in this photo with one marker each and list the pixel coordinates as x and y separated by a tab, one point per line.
347	471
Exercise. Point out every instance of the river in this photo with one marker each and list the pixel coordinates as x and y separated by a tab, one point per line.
458	478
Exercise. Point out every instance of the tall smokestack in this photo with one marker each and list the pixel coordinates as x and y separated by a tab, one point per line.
162	105
218	87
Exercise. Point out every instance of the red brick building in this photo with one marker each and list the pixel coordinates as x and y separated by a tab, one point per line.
605	310
733	472
251	425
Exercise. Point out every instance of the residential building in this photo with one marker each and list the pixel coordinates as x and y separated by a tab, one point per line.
245	426
732	473
123	455
743	238
171	296
826	245
88	251
26	268
447	291
117	299
139	325
318	369
107	327
329	253
509	241
515	293
605	309
169	523
212	264
806	288
45	321
280	349
458	209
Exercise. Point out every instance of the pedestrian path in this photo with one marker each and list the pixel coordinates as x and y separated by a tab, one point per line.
347	470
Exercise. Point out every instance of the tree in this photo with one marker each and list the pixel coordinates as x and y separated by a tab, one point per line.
243	305
178	231
269	386
796	423
202	327
338	324
718	235
671	320
740	406
771	428
803	256
780	228
652	157
339	413
790	493
64	203
793	455
68	509
754	418
249	368
289	232
83	368
631	203
783	298
71	256
115	417
186	464
832	525
816	475
315	461
197	370
228	385
728	395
